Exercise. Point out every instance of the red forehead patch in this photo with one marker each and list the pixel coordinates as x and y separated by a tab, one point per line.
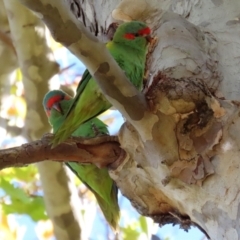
53	100
129	36
144	31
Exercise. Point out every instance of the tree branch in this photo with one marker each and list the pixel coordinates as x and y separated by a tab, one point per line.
101	151
67	30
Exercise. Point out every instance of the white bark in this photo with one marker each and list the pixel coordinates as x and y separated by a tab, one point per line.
8	62
63	204
37	65
72	34
208	52
183	157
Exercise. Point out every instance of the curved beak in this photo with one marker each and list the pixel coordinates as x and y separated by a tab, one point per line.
57	107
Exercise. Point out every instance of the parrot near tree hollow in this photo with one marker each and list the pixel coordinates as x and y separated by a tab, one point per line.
129	48
55	104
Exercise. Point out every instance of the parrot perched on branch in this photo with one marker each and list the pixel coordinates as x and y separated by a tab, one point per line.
129	48
55	104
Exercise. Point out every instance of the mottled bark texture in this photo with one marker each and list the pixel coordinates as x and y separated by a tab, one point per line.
66	29
8	63
182	162
38	66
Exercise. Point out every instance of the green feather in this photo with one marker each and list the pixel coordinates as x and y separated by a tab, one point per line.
97	180
89	101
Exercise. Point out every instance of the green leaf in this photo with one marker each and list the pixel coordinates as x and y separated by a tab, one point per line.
26	174
14	193
143	224
35	208
130	234
19	75
19	202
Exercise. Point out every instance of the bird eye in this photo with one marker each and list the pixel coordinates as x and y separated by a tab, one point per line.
136	35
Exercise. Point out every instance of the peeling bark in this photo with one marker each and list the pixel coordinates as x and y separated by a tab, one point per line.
72	34
8	61
182	154
37	65
65	215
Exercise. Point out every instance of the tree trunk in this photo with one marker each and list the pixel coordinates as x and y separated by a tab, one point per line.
182	162
37	66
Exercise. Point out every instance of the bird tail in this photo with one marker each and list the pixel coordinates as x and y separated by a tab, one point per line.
110	209
105	193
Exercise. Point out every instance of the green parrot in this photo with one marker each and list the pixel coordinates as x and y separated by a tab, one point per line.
55	104
129	48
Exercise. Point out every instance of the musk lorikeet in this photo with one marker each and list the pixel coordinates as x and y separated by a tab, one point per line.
129	48
56	103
